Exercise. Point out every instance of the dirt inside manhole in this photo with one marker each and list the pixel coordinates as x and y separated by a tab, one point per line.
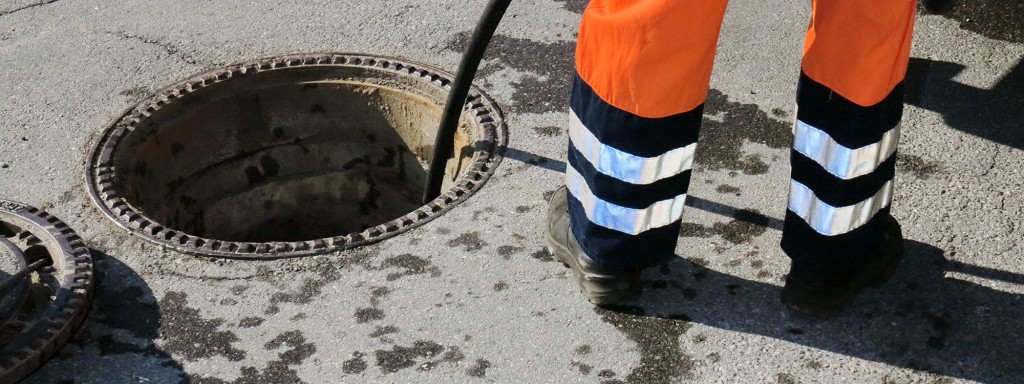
292	152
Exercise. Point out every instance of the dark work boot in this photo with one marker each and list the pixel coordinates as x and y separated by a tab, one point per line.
811	293
598	285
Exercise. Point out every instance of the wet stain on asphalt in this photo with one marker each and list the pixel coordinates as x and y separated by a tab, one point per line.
383	331
365	315
354	365
583	368
916	165
399	357
745	225
506	251
250	322
543	255
661	356
726	188
785	378
300	348
549	131
470	242
181	324
575	6
135	92
732	124
549	67
412	265
479	368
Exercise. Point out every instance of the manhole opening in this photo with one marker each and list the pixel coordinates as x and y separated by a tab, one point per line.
289	156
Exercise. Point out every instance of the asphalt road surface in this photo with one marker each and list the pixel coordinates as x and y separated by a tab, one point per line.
472	296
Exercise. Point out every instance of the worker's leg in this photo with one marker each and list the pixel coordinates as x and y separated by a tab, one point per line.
643	69
850	100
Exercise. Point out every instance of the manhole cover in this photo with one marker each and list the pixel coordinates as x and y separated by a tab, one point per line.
289	156
45	288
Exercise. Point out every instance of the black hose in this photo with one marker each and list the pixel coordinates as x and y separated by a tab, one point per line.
444	142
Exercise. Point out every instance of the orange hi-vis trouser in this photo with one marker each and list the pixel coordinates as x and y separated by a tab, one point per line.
642	74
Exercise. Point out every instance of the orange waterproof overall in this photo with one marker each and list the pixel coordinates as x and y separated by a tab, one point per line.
642	74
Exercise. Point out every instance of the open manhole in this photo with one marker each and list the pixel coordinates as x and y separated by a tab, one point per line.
45	287
289	156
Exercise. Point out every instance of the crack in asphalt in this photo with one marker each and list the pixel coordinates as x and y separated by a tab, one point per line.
170	48
30	6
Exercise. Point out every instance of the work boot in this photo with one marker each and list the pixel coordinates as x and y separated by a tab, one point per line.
811	293
600	286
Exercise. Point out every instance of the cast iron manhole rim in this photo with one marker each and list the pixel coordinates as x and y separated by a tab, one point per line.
42	336
490	131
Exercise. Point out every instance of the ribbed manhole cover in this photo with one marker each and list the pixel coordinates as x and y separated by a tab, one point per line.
45	288
289	156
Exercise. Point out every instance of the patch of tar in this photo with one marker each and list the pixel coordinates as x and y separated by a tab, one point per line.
661	356
728	125
181	324
916	165
479	368
470	242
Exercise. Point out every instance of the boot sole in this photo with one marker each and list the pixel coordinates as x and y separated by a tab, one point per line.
593	286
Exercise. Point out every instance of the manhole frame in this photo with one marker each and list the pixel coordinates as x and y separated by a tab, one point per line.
55	326
491	139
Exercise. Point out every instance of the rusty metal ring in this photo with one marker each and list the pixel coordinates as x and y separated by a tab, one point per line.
33	338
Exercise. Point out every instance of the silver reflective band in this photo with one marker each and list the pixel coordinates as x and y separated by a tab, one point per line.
829	220
844	163
627	220
624	166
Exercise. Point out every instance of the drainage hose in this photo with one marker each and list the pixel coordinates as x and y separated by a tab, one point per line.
444	142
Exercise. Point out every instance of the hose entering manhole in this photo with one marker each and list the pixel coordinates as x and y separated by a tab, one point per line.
46	286
290	156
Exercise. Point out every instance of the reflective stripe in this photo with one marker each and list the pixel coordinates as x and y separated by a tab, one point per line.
624	166
627	220
829	220
844	163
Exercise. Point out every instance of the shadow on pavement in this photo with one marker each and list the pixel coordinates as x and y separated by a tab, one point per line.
927	318
993	114
117	342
